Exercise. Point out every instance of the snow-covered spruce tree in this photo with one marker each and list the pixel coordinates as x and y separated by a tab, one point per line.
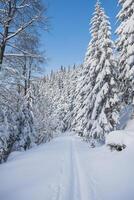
63	89
71	83
44	121
25	125
104	95
57	92
16	122
97	100
86	80
125	47
77	104
52	102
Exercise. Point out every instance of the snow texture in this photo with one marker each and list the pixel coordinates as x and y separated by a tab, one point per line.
67	169
120	138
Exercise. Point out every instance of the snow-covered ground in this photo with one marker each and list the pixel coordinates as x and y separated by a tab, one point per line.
67	169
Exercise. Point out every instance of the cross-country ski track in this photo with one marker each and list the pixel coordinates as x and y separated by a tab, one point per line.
65	169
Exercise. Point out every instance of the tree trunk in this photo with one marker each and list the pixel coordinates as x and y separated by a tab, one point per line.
2	50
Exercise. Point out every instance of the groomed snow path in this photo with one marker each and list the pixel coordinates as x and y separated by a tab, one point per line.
66	169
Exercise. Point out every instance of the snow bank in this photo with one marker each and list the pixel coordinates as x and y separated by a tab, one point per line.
120	138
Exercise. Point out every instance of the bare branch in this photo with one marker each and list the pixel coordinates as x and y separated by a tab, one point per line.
23	55
22	28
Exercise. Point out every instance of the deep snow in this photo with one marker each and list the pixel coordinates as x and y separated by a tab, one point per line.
67	169
121	137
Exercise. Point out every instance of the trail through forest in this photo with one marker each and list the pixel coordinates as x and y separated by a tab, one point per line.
65	169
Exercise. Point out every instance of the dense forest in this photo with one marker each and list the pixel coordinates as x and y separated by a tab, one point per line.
86	99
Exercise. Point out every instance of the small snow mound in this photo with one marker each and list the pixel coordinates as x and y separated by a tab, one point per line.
121	138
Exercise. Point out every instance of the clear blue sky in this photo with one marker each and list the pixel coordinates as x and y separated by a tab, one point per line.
69	35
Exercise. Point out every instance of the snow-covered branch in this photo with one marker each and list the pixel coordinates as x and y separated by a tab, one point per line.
22	55
23	27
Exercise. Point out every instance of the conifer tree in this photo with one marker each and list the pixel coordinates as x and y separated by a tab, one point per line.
125	46
105	113
97	112
71	82
87	78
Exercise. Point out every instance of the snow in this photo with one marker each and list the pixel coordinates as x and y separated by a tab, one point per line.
126	136
68	169
127	4
120	138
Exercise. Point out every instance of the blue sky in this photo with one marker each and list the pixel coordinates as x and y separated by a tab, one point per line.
68	38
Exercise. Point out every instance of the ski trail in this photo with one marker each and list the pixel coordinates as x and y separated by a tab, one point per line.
73	190
87	182
63	173
60	187
57	189
81	185
75	193
66	169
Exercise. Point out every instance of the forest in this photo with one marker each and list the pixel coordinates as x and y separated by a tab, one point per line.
87	99
67	134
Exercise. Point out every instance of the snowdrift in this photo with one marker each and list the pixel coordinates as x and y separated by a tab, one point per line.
119	140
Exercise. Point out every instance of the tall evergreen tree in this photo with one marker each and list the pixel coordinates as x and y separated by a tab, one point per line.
87	77
97	112
105	112
125	46
71	82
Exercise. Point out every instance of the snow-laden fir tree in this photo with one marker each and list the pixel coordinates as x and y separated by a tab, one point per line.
54	92
63	90
58	91
71	82
104	95
87	77
44	121
97	112
125	46
16	120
